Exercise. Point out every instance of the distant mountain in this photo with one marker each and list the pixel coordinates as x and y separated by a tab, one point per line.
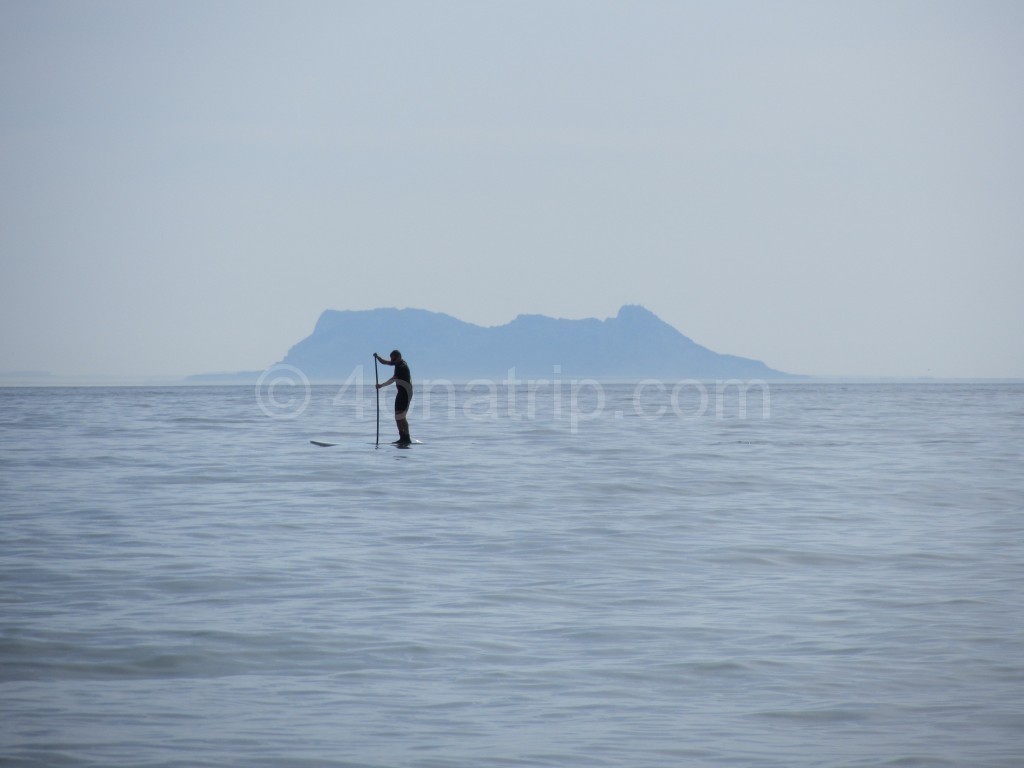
635	344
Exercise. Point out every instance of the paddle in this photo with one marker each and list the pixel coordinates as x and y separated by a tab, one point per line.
376	380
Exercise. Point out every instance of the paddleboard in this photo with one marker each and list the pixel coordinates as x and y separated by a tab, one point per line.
323	444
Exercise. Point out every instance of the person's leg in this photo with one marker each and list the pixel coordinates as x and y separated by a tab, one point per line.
403	428
401	414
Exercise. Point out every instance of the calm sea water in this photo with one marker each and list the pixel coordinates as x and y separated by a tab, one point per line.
594	576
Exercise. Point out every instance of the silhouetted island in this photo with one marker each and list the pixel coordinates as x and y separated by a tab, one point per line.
635	344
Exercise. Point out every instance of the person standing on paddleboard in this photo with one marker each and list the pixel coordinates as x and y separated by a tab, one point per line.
403	397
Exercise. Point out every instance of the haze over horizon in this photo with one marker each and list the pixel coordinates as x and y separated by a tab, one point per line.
834	189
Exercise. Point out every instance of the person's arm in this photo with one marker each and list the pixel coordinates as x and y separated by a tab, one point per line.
386	362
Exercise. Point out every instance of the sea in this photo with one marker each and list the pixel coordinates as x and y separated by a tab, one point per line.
565	573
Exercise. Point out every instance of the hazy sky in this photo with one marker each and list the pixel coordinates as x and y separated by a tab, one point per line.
832	187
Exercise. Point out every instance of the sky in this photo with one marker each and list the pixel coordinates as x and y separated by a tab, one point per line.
835	188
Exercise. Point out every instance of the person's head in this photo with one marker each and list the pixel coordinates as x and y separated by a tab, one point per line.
395	355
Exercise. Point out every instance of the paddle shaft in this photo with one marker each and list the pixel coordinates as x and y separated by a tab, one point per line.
376	381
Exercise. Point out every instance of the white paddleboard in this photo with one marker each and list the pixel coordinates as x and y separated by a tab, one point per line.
325	444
